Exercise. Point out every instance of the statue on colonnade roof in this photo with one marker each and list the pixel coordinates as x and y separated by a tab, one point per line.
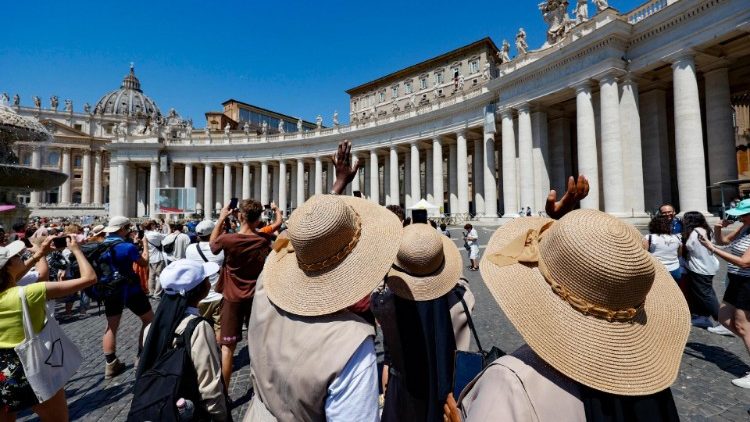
555	14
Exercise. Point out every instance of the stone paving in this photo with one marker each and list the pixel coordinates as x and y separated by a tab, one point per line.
703	391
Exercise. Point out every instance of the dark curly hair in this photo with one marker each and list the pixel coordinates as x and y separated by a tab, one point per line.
691	221
251	210
660	224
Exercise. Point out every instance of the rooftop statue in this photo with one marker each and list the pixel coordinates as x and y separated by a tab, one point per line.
281	127
299	125
54	102
582	11
555	14
68	106
336	118
319	121
6	99
37	102
87	108
264	127
486	74
246	128
601	5
521	46
16	100
504	53
227	129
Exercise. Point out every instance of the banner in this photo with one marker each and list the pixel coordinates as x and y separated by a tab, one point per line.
175	200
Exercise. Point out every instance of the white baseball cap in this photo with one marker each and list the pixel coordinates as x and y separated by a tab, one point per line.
204	228
184	275
10	250
116	223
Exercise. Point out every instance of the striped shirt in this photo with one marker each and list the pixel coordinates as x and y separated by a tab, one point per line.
738	247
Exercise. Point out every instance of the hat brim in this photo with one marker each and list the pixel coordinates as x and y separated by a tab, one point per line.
627	358
736	212
412	287
356	276
111	229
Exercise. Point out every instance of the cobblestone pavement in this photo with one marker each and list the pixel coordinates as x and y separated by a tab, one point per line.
703	391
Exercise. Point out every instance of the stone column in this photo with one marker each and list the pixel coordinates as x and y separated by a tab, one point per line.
366	172
374	177
227	191
510	181
300	182
356	183
318	176
112	187
588	164
131	191
219	187
722	157
256	181
437	173
188	179
86	178
98	178
414	174
36	163
237	177
408	199
453	179
393	178
613	172
153	185
246	180
282	187
428	174
630	133
462	172
477	161
199	189
208	191
310	180
688	134
558	146
264	198
122	175
65	189
488	170
540	158
655	145
526	158
275	185
329	175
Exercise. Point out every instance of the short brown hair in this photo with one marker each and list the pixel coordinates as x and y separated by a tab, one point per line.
251	209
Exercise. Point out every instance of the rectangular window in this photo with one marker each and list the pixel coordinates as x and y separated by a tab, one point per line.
423	83
394	92
407	88
438	78
382	96
474	66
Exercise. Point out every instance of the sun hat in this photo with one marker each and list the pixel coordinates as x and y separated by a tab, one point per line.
10	250
427	266
204	228
589	300
183	275
338	250
97	230
116	223
741	209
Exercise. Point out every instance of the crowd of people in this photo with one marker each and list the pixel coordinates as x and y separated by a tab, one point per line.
604	322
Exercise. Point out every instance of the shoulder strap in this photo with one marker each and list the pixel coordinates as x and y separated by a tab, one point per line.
184	339
469	320
200	252
649	243
28	327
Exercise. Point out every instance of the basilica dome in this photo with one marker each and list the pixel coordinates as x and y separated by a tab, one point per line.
129	100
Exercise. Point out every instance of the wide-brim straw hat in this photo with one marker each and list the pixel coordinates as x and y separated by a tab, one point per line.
339	249
606	314
427	266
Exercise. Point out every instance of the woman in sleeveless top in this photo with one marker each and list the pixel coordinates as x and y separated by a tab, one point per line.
735	308
663	245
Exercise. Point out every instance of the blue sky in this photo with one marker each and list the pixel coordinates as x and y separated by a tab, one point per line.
295	57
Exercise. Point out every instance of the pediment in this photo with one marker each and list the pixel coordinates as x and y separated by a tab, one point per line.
60	129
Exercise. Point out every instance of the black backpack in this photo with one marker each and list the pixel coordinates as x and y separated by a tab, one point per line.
108	277
172	377
169	247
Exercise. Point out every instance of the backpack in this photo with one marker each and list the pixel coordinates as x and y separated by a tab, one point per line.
172	377
108	277
168	247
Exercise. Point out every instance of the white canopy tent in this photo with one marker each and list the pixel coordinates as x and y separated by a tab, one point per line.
432	210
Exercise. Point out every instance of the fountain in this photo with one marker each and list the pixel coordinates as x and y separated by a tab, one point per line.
14	178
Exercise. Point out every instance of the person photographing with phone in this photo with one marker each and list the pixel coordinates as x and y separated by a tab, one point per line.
245	253
272	212
734	313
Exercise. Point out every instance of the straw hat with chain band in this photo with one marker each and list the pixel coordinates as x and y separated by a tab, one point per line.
337	252
428	264
589	300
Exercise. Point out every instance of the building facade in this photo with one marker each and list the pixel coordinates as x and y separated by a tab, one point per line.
644	103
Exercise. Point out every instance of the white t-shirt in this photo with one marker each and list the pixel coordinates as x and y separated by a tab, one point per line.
353	395
154	242
192	254
472	238
700	260
665	247
180	240
32	276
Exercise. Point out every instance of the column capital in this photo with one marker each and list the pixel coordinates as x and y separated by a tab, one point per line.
461	133
609	76
629	79
437	138
523	108
686	56
65	150
506	113
583	86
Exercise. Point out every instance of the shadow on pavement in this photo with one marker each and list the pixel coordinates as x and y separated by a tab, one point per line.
723	359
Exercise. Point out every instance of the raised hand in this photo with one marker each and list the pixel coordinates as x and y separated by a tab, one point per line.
577	190
345	168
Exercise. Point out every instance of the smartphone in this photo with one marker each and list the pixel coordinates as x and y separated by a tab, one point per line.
267	206
141	234
233	203
466	366
60	242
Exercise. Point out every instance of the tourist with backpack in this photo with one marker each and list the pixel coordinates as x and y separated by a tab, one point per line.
180	360
156	261
123	290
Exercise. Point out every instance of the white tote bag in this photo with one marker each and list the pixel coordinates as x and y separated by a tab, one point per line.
49	358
